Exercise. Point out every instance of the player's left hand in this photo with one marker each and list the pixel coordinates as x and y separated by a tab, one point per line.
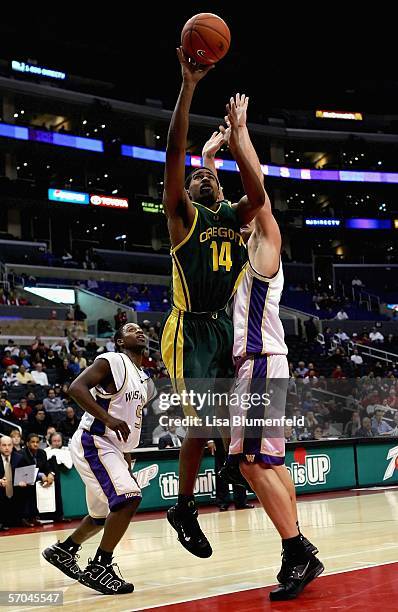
191	72
233	122
214	143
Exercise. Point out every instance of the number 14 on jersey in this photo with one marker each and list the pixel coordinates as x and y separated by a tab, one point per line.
221	258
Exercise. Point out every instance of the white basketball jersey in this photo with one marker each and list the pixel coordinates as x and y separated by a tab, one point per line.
134	390
258	329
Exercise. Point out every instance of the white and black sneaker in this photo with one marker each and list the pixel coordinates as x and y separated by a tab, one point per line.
299	573
104	579
63	560
190	535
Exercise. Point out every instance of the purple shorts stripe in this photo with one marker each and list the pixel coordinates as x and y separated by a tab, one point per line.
258	458
92	457
258	296
258	387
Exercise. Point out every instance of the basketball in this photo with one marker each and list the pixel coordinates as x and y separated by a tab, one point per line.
205	38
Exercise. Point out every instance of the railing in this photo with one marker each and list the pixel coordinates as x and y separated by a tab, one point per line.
364	297
372	352
12	425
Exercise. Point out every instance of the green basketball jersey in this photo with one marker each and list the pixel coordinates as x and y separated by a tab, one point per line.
208	262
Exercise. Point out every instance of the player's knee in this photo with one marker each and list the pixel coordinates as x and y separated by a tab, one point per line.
99	522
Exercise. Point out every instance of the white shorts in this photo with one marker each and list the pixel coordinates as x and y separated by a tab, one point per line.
261	443
105	473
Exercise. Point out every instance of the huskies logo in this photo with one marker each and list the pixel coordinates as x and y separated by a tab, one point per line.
392	456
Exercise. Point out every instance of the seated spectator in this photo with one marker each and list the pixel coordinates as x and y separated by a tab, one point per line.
38	422
17	441
301	370
65	374
52	360
342	336
69	423
6	410
79	314
341	315
39	377
310	421
110	346
9	377
92	284
366	431
74	366
32	399
92	346
317	433
375	336
337	372
290	434
13	348
351	428
52	403
307	403
24	359
120	318
104	329
170	438
81	360
22	410
379	424
394	432
356	358
310	378
39	345
7	360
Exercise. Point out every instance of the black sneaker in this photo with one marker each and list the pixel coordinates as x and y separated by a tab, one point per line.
298	575
189	532
310	548
231	474
104	579
63	560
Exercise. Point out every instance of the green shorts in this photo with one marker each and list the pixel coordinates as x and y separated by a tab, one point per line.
197	347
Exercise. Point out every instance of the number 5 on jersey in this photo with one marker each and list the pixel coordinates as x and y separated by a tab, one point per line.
222	258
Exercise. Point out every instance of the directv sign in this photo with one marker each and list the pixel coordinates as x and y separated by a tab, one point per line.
73	197
37	70
323	222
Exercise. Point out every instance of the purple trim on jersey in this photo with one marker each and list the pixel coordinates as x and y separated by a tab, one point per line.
97	427
258	296
258	386
258	458
98	469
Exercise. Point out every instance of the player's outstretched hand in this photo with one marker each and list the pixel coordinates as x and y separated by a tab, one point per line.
214	143
119	427
233	124
191	72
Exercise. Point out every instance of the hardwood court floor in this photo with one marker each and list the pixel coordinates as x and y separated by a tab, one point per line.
356	534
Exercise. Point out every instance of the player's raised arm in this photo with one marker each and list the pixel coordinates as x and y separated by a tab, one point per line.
255	197
175	198
210	148
92	376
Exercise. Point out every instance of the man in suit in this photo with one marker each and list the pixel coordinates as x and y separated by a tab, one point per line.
170	439
33	455
9	460
223	498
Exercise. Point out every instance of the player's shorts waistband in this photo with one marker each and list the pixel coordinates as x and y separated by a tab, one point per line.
241	359
198	315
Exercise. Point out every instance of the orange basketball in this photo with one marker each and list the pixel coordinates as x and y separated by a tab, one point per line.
205	38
